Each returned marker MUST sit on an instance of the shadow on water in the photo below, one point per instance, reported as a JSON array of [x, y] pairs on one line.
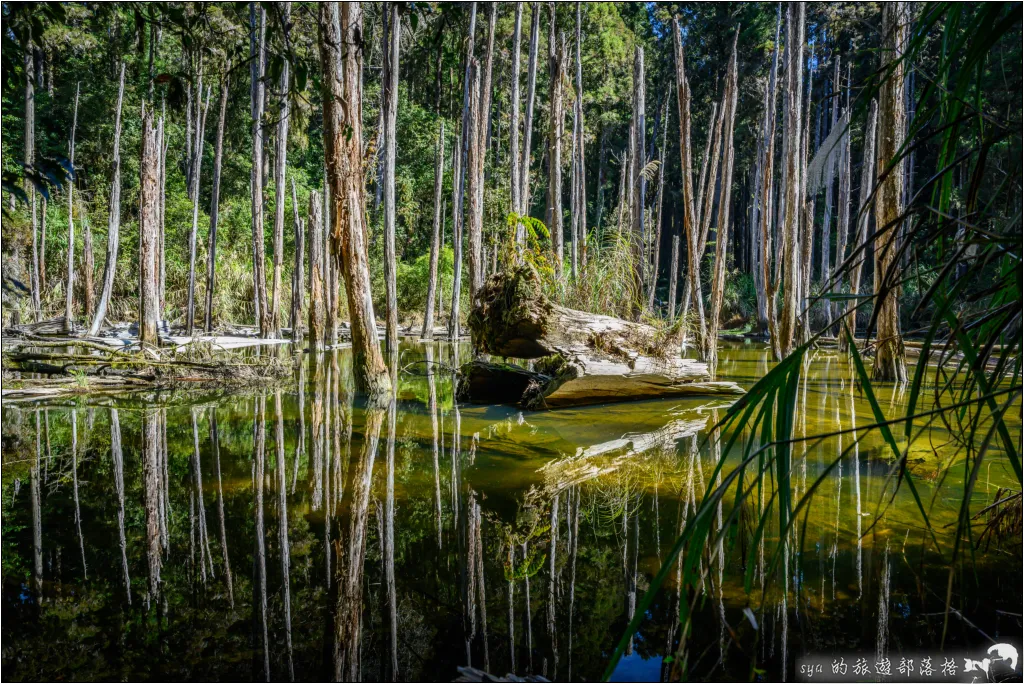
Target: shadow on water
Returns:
[[301, 533]]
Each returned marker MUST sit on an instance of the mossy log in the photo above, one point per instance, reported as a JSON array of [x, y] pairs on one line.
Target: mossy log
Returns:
[[583, 358]]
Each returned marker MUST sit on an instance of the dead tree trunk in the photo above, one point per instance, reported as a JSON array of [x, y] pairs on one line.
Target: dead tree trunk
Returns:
[[257, 38], [826, 228], [149, 225], [461, 162], [581, 180], [114, 220], [656, 256], [765, 222], [88, 269], [280, 165], [483, 117], [69, 294], [858, 252], [890, 355], [161, 138], [531, 96], [343, 145], [691, 220], [299, 272], [845, 189], [556, 129], [673, 279], [722, 238], [201, 111], [475, 214], [390, 113], [317, 275], [638, 186], [429, 315], [30, 155], [809, 199], [792, 131], [515, 164], [218, 158]]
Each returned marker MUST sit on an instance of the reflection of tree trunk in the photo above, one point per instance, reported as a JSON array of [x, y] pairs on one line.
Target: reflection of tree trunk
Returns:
[[205, 558], [631, 534], [480, 584], [319, 433], [282, 525], [37, 523], [352, 552], [152, 473], [432, 389], [529, 618], [74, 479], [552, 634], [259, 566], [574, 531], [215, 445], [300, 444], [115, 452], [389, 539]]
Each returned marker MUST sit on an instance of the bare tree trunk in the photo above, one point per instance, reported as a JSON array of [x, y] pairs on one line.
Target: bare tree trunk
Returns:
[[201, 111], [602, 160], [317, 275], [581, 192], [795, 18], [845, 190], [770, 283], [299, 272], [343, 144], [114, 220], [280, 166], [691, 221], [722, 237], [656, 256], [29, 159], [88, 269], [390, 113], [515, 162], [149, 301], [42, 250], [483, 118], [429, 315], [257, 38], [809, 200], [161, 275], [531, 92], [69, 294], [475, 218], [637, 187], [890, 355], [826, 228], [218, 158], [461, 162], [556, 129], [673, 278]]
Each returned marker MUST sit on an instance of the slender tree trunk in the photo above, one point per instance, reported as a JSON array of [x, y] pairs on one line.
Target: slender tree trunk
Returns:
[[691, 221], [218, 159], [162, 210], [602, 162], [845, 189], [581, 192], [461, 162], [637, 187], [280, 166], [390, 112], [317, 275], [193, 238], [724, 205], [69, 294], [483, 118], [556, 128], [531, 93], [673, 278], [656, 257], [257, 38], [770, 282], [149, 300], [30, 157], [475, 210], [890, 355], [42, 249], [343, 144], [826, 228], [515, 162], [809, 200], [795, 18], [88, 269], [429, 315], [114, 220], [299, 272]]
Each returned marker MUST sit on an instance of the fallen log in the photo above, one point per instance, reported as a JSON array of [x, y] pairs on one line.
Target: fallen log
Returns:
[[583, 358], [559, 381]]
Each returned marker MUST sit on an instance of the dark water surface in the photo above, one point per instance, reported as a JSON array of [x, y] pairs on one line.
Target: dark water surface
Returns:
[[299, 534]]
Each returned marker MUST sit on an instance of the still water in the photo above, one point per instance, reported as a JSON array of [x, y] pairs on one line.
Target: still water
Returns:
[[296, 533]]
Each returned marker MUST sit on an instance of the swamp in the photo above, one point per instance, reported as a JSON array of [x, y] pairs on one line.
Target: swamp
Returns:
[[511, 341]]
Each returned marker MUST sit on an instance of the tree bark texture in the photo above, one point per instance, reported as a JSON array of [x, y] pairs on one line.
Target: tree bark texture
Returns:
[[390, 112], [69, 294], [429, 315], [218, 158], [149, 225]]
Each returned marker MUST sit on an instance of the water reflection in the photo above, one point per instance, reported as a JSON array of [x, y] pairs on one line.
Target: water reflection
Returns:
[[380, 561]]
